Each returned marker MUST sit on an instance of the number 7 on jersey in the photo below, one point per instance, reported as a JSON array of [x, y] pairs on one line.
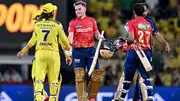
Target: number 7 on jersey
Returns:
[[46, 35]]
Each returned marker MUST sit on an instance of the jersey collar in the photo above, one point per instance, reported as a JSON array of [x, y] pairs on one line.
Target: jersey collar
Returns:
[[81, 19]]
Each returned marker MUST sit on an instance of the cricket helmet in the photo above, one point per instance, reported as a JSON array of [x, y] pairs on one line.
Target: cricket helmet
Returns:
[[106, 50], [106, 53]]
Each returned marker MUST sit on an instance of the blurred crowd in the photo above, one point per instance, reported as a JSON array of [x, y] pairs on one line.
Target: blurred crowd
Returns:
[[112, 16], [10, 74]]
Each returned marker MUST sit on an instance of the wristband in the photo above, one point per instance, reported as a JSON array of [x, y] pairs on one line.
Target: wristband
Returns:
[[24, 50]]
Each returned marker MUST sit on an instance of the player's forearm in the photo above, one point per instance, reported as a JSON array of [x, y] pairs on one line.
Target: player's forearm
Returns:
[[97, 35], [25, 49], [65, 42], [63, 48], [70, 37], [161, 39], [67, 46], [31, 43], [130, 39]]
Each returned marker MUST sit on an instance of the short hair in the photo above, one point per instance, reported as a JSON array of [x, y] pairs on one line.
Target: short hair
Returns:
[[79, 3], [139, 9]]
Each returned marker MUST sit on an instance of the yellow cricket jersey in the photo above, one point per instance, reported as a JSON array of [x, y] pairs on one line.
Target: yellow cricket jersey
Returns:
[[47, 35]]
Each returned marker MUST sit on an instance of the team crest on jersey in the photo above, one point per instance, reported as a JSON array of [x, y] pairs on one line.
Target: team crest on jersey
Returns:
[[90, 23], [78, 25]]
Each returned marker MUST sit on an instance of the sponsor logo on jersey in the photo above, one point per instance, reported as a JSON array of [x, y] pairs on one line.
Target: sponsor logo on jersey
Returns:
[[144, 26], [78, 25], [46, 25], [45, 44], [90, 24], [84, 30]]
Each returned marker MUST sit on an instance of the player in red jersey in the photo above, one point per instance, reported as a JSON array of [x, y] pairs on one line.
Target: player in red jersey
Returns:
[[81, 36], [140, 32]]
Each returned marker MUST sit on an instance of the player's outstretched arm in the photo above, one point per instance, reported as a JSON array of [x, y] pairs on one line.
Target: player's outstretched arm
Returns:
[[63, 38], [68, 59], [70, 37], [157, 34], [23, 51], [96, 31], [161, 39], [31, 43]]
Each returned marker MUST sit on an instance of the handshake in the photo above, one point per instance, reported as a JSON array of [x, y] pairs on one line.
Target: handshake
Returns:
[[68, 54]]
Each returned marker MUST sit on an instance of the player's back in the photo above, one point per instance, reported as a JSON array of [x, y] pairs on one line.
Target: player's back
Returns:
[[142, 32], [47, 32]]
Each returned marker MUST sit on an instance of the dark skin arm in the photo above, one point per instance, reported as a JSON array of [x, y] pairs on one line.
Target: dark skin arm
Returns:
[[161, 39], [130, 39]]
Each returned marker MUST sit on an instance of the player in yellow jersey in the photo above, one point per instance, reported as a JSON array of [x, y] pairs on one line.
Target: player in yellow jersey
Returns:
[[33, 71], [47, 33], [68, 59]]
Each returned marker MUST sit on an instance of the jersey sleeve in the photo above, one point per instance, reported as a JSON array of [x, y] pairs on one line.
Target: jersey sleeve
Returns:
[[63, 47], [130, 27], [95, 28], [63, 38], [33, 40], [71, 27], [153, 24]]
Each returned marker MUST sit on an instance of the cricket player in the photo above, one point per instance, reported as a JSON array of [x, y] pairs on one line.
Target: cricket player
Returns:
[[81, 36], [47, 34], [36, 17], [139, 31], [158, 37]]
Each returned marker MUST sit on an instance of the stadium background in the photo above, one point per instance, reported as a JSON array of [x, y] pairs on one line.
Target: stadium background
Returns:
[[111, 15]]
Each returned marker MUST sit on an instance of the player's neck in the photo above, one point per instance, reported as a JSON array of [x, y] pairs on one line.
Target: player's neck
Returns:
[[138, 16], [83, 16]]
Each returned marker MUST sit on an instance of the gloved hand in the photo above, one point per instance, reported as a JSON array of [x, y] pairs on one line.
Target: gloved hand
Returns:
[[120, 43], [125, 47]]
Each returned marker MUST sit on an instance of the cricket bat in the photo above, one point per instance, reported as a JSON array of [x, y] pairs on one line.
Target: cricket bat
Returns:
[[142, 57], [96, 55], [119, 86], [143, 88]]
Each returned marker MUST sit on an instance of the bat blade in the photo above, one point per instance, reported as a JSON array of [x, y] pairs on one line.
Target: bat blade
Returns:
[[119, 86], [96, 55], [143, 58]]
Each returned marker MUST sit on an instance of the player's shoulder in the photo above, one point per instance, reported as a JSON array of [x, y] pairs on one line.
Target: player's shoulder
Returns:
[[57, 22], [91, 18], [148, 17], [37, 21], [73, 21], [131, 21], [141, 20]]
